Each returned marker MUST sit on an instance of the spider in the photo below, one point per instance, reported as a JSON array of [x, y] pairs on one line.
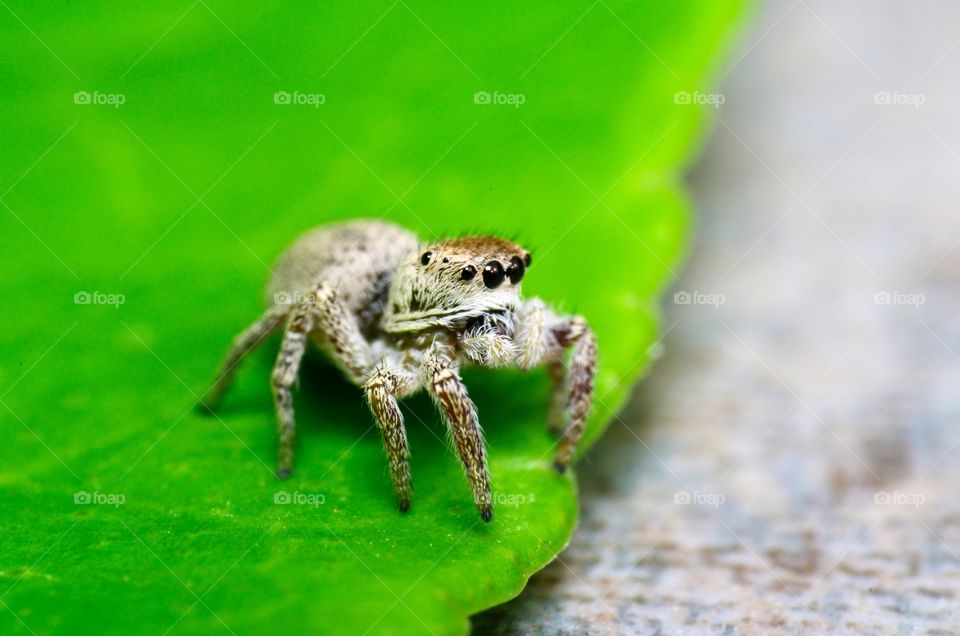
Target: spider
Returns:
[[397, 316]]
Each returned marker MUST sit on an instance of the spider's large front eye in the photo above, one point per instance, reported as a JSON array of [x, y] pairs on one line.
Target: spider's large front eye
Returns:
[[468, 272], [515, 270], [493, 274], [425, 258]]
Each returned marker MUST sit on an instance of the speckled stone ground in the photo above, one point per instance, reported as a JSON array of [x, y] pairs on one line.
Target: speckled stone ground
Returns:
[[790, 465]]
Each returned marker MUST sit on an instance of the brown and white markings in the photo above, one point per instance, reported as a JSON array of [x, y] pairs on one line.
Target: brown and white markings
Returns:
[[397, 316]]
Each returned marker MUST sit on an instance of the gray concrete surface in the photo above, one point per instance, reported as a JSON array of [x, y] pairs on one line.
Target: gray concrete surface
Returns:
[[811, 418]]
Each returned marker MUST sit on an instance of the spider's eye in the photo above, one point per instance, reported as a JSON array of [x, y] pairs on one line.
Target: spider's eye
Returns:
[[493, 274], [527, 259], [515, 270], [425, 258], [468, 272]]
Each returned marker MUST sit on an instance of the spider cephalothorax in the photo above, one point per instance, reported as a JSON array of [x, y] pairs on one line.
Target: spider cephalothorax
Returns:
[[446, 283], [397, 316]]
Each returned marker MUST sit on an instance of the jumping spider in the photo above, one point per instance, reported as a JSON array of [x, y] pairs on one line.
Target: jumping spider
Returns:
[[396, 317]]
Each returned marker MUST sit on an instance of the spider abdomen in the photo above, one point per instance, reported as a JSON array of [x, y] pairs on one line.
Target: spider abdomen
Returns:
[[356, 258]]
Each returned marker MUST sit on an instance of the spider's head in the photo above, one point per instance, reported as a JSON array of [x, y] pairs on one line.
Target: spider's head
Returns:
[[445, 284]]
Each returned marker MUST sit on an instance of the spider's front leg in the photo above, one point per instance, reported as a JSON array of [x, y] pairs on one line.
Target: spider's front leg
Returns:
[[447, 389], [543, 337], [385, 385], [576, 333]]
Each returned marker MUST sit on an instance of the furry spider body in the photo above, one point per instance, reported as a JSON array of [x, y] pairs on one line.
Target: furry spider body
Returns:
[[397, 316]]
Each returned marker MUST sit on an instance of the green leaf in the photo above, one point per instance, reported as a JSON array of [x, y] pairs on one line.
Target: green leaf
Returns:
[[179, 197]]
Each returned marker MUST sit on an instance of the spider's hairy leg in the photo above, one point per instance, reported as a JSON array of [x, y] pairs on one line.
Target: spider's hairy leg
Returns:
[[544, 338], [284, 376], [450, 395], [575, 332], [342, 337], [323, 314], [382, 389], [243, 344], [531, 335]]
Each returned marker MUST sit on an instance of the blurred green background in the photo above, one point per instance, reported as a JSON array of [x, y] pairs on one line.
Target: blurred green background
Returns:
[[162, 156]]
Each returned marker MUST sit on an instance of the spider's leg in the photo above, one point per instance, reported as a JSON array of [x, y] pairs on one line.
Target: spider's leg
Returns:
[[451, 397], [242, 345], [382, 384], [532, 334], [544, 338], [284, 376], [382, 390], [321, 314], [343, 339], [576, 332]]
